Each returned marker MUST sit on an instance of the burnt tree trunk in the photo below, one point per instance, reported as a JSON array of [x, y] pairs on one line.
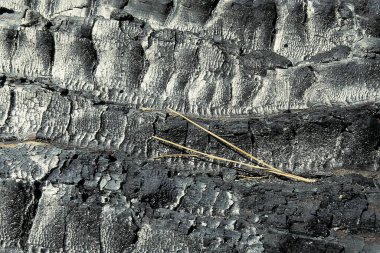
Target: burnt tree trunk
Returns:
[[85, 84]]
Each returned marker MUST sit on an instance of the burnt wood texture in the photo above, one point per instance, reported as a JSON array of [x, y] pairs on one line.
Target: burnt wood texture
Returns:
[[85, 84]]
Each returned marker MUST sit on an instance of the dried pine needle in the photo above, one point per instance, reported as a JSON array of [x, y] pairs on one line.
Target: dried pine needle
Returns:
[[190, 155], [8, 145], [251, 177], [205, 154], [174, 156], [29, 142], [241, 151], [277, 172]]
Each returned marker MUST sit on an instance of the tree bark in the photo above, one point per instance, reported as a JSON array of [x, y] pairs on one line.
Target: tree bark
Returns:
[[84, 85]]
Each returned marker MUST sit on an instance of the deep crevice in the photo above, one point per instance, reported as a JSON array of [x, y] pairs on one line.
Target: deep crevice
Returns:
[[214, 4], [12, 105], [4, 10], [274, 30]]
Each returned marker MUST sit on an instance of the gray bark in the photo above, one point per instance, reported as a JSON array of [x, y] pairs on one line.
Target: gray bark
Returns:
[[296, 83]]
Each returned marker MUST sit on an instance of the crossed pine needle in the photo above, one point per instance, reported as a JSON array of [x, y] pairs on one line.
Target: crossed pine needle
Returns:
[[198, 154]]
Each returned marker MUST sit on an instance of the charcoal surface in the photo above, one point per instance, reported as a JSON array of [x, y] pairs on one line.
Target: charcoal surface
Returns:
[[84, 85]]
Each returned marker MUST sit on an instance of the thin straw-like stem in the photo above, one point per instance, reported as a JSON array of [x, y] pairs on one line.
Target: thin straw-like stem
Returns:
[[280, 173], [251, 177], [174, 156], [197, 156], [15, 144], [241, 151], [204, 154]]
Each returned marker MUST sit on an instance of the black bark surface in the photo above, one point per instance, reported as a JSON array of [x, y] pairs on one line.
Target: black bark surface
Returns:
[[84, 85]]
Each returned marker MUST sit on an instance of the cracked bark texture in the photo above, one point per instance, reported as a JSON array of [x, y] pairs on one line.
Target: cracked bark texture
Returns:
[[295, 82]]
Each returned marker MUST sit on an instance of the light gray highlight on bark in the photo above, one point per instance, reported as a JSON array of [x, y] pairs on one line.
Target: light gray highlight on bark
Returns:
[[217, 58], [295, 83]]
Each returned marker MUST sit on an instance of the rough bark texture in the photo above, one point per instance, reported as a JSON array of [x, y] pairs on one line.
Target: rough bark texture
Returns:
[[295, 82]]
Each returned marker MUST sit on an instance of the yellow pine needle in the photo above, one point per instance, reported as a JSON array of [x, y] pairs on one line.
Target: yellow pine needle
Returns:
[[241, 151], [36, 143], [190, 155], [280, 173], [174, 156], [8, 145], [250, 177], [204, 154], [15, 144]]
